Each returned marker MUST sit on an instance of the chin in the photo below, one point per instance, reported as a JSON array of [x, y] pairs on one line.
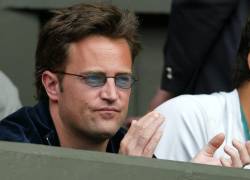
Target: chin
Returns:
[[102, 136], [108, 133]]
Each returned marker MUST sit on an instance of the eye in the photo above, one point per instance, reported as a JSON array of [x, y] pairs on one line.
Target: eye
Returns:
[[124, 80], [95, 79]]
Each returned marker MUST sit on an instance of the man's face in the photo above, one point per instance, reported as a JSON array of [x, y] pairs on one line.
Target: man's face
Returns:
[[95, 112]]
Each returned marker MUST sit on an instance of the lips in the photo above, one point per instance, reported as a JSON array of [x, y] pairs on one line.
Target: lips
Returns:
[[108, 109], [108, 113]]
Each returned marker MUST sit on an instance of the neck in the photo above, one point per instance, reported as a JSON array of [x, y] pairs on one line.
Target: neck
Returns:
[[244, 94], [69, 137]]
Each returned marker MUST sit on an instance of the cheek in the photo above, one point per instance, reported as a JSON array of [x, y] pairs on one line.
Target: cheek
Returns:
[[75, 99], [125, 98], [74, 106], [77, 92]]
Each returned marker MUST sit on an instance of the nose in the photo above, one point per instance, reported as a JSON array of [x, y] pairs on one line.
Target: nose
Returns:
[[109, 91]]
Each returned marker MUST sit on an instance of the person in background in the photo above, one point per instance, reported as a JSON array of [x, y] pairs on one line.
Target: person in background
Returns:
[[201, 47], [195, 119], [9, 97]]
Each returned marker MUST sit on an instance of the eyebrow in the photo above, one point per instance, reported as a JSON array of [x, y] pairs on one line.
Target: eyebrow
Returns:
[[92, 72], [101, 72]]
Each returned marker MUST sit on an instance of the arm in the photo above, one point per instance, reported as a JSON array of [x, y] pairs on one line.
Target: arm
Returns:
[[160, 97]]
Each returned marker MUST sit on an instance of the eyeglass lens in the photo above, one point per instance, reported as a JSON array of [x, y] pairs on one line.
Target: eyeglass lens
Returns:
[[123, 81]]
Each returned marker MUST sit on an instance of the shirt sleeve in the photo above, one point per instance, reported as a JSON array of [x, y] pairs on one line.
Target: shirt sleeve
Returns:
[[9, 97]]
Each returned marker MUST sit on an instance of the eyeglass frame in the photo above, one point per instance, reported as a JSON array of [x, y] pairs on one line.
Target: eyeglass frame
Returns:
[[84, 76]]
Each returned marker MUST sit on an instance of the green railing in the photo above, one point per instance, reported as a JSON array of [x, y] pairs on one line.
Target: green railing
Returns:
[[25, 161]]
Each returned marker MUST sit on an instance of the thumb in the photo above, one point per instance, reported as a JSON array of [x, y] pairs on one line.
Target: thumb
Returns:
[[248, 147], [214, 144]]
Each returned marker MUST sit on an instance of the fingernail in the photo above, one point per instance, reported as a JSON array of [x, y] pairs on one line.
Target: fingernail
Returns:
[[227, 148], [133, 121], [248, 143], [236, 140], [156, 114]]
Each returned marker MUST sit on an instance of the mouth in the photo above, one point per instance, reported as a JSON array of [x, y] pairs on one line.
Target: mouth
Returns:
[[108, 113], [108, 109]]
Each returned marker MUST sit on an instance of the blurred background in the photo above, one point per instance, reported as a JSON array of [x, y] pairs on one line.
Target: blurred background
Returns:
[[20, 22]]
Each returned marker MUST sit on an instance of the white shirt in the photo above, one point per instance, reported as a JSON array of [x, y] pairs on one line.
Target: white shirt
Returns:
[[9, 98], [192, 120]]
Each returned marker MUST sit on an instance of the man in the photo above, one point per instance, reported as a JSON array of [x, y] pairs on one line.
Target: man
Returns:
[[9, 97], [201, 47], [194, 119], [83, 78]]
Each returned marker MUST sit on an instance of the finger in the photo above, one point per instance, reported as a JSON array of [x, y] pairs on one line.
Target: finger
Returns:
[[128, 121], [226, 162], [153, 124], [139, 135], [150, 147], [145, 136], [127, 142], [242, 150], [132, 128], [214, 144], [248, 147], [234, 155], [209, 150], [149, 118], [142, 123]]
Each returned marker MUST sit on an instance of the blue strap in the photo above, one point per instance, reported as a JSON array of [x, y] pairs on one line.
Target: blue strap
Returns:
[[245, 125]]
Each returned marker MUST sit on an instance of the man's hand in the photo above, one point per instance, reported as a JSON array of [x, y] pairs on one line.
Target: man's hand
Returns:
[[142, 136], [206, 155], [129, 120]]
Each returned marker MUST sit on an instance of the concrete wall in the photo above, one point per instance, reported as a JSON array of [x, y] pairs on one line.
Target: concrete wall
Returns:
[[146, 6], [18, 37], [25, 162], [19, 24]]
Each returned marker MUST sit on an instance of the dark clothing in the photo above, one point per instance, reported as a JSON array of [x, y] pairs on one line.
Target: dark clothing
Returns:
[[34, 125], [201, 49]]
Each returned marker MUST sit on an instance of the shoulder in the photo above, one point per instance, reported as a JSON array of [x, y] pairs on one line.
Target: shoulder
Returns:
[[203, 104], [6, 84], [13, 127], [24, 125], [9, 98], [187, 113]]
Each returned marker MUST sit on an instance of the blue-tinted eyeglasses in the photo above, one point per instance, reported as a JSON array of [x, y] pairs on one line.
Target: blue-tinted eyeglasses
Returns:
[[123, 81]]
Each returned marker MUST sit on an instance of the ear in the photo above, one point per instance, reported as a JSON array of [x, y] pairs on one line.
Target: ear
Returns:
[[51, 85], [248, 60]]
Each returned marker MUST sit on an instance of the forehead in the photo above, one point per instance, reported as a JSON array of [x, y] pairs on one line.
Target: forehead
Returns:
[[99, 53]]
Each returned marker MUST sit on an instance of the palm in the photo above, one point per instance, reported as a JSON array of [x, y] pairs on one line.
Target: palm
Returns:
[[205, 158], [206, 155]]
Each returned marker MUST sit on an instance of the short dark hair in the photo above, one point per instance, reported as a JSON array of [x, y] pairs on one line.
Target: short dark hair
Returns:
[[242, 73], [75, 23]]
